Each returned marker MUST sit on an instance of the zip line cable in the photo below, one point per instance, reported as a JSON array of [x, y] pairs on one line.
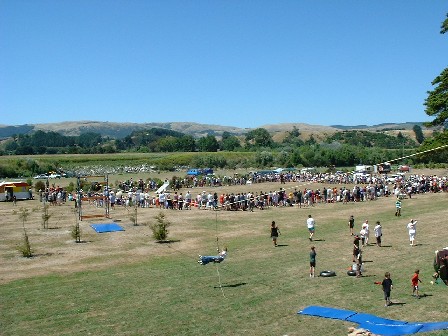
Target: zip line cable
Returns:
[[411, 155]]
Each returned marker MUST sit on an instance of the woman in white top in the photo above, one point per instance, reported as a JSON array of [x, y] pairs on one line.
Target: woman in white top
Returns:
[[412, 229], [365, 227]]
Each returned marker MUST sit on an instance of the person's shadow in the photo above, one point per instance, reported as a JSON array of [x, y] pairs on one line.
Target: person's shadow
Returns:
[[232, 285]]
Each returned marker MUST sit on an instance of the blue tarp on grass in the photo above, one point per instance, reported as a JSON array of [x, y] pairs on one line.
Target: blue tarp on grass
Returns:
[[375, 324], [107, 227]]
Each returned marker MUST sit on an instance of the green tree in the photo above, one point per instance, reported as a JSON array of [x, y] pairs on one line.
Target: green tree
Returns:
[[418, 133], [264, 159], [259, 137], [229, 142], [208, 144], [293, 137], [437, 101]]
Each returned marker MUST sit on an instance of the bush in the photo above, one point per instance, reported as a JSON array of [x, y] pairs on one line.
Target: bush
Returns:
[[39, 185], [160, 228], [76, 232], [25, 249]]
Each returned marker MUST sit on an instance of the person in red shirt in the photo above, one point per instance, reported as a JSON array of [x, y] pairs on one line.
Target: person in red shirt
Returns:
[[415, 280]]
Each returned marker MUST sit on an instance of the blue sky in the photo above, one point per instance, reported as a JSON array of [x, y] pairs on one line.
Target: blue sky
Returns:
[[241, 63]]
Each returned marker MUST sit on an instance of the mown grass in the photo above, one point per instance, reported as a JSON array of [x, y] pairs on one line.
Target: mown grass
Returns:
[[257, 291]]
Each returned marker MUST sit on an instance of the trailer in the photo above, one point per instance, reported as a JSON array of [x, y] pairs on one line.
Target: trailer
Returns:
[[21, 191], [366, 169]]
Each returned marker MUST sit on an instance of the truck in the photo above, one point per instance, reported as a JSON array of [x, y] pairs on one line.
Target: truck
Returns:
[[366, 169], [199, 171], [384, 168]]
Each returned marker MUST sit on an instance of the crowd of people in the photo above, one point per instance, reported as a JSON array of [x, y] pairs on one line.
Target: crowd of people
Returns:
[[365, 188]]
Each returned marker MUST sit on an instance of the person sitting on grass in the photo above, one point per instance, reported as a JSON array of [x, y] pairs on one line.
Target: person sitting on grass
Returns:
[[204, 260]]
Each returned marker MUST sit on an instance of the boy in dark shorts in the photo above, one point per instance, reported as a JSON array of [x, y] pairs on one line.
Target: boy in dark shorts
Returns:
[[387, 287], [312, 261]]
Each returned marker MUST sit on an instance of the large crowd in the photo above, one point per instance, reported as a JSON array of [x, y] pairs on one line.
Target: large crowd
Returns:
[[338, 187]]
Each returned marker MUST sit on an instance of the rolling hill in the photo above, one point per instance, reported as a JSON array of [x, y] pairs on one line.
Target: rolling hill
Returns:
[[197, 130]]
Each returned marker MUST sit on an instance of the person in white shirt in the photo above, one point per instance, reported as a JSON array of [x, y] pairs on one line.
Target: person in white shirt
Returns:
[[378, 233], [365, 227], [310, 223], [412, 229]]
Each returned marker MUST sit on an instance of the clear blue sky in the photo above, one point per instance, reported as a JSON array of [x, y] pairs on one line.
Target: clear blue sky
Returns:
[[237, 63]]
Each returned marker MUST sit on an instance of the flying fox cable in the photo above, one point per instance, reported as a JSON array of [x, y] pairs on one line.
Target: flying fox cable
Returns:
[[389, 161], [217, 247], [415, 154]]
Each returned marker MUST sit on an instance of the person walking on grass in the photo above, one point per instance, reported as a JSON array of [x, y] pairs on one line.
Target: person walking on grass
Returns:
[[365, 227], [351, 224], [378, 233], [275, 231], [415, 280], [412, 230], [312, 261], [310, 223], [387, 287], [398, 207]]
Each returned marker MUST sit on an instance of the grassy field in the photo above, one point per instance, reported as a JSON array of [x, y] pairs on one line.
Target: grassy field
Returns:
[[124, 283]]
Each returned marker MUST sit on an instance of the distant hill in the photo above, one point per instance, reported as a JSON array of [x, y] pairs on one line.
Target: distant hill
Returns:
[[120, 130], [379, 127]]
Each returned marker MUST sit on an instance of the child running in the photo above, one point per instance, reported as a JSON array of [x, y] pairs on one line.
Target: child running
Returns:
[[387, 287], [275, 231], [415, 280]]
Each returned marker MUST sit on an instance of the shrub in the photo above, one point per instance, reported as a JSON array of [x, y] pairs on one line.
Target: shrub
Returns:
[[39, 185], [133, 216], [76, 232], [160, 227], [25, 249], [45, 215]]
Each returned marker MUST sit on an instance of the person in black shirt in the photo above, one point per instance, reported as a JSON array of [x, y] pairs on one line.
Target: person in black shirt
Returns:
[[351, 224], [275, 231], [387, 287]]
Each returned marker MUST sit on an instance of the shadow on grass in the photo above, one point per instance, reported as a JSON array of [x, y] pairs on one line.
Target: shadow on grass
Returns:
[[282, 245], [232, 285], [318, 240], [397, 303], [48, 254], [170, 241], [386, 245], [425, 295]]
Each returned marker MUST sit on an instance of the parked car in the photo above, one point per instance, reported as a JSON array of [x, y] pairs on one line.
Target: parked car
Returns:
[[41, 177], [404, 168]]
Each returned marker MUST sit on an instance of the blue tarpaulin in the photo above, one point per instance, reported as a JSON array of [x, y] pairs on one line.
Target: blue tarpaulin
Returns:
[[107, 227], [373, 323]]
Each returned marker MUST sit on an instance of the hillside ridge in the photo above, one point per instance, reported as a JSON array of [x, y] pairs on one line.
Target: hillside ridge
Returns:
[[122, 129]]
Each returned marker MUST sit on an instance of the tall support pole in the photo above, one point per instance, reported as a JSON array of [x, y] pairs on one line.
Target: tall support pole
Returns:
[[78, 198], [107, 196]]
